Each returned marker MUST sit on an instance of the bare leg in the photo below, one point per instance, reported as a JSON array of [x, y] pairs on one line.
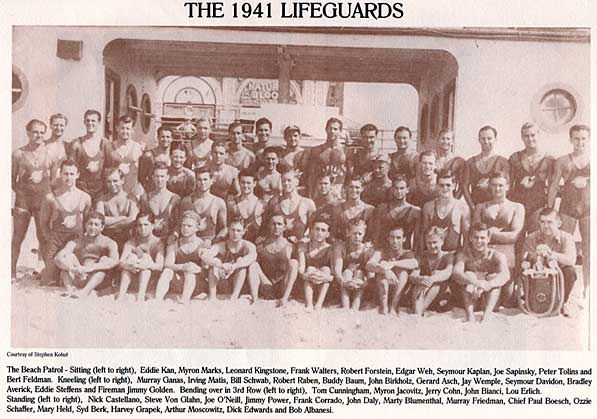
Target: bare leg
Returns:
[[95, 278], [356, 301], [254, 280], [289, 280], [213, 285], [125, 281], [41, 247], [469, 305], [190, 281], [402, 281], [20, 219], [68, 280], [323, 290], [238, 279], [344, 293], [383, 287], [428, 297], [491, 299], [164, 284], [418, 299], [584, 225], [144, 277], [308, 295]]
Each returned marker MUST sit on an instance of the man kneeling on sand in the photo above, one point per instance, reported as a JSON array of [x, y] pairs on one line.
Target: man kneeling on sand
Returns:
[[479, 273], [553, 244], [85, 261]]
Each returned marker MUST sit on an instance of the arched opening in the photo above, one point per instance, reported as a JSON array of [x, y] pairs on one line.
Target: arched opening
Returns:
[[294, 83]]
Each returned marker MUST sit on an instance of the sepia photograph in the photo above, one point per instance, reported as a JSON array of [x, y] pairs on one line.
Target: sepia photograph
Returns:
[[300, 187]]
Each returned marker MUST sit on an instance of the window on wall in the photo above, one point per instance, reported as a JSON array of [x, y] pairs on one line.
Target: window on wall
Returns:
[[554, 108], [146, 114], [20, 88], [132, 103], [558, 106]]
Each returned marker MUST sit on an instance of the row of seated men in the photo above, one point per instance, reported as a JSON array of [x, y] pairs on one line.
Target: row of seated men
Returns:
[[413, 191]]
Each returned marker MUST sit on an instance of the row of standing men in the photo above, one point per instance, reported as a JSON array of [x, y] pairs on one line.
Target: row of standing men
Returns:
[[224, 181]]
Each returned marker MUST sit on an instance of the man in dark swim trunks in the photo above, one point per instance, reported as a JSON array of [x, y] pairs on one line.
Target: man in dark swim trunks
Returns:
[[574, 170]]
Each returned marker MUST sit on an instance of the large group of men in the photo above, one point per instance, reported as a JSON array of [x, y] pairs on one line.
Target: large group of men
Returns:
[[426, 230]]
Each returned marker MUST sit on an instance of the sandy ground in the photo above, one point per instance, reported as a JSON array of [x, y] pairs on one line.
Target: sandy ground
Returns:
[[41, 317]]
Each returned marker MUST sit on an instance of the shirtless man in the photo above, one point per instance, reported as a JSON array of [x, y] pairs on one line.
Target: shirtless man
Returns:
[[475, 183], [208, 206], [530, 169], [247, 206], [429, 281], [85, 261], [553, 244], [61, 218], [360, 162], [30, 183], [505, 220], [295, 155], [423, 185], [448, 213], [149, 157], [199, 150], [397, 211], [296, 208], [352, 208], [403, 161], [446, 160], [231, 261], [329, 157], [142, 257], [263, 131], [92, 153], [392, 263], [181, 180], [160, 202], [238, 156], [574, 170], [56, 146], [480, 272], [126, 155], [269, 179], [324, 198], [118, 206], [225, 177], [375, 191]]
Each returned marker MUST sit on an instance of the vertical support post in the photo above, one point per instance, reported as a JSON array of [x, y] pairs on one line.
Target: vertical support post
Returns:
[[285, 64]]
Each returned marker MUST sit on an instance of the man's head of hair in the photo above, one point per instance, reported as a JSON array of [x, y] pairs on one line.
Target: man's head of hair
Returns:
[[478, 227], [33, 122], [164, 128], [89, 112], [94, 215], [58, 116], [125, 119], [69, 163], [368, 127], [488, 128], [233, 126], [262, 121], [405, 129], [333, 121], [579, 127]]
